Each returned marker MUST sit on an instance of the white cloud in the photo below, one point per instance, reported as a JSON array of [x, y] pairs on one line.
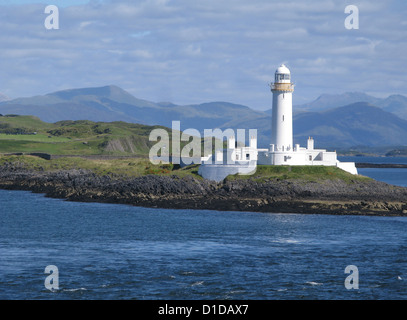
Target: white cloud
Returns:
[[84, 24], [196, 51]]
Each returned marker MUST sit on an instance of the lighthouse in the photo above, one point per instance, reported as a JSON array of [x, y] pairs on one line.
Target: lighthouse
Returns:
[[282, 111], [282, 151]]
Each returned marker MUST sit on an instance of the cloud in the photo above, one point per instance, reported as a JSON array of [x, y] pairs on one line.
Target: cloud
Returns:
[[193, 51]]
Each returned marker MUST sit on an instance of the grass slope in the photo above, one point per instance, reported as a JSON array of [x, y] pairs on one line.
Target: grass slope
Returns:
[[80, 137], [307, 173], [136, 167]]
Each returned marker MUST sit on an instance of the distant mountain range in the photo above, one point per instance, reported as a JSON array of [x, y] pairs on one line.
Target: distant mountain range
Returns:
[[335, 121], [396, 104]]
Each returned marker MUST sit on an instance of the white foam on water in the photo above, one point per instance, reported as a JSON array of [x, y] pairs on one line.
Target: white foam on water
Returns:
[[74, 290]]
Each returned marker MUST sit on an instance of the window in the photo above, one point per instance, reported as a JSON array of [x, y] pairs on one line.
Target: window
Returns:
[[282, 76], [283, 118], [310, 158], [247, 156]]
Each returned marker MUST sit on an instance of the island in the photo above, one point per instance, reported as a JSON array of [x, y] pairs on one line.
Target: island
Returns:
[[135, 181], [108, 162]]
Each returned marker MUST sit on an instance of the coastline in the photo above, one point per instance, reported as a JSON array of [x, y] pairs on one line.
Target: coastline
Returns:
[[379, 165], [337, 197]]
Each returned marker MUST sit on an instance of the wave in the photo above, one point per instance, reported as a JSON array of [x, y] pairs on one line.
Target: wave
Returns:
[[74, 290]]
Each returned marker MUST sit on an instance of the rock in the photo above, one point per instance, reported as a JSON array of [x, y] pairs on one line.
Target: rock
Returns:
[[276, 195]]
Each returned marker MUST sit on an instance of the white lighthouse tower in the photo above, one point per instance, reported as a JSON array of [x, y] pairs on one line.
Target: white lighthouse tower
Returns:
[[282, 111]]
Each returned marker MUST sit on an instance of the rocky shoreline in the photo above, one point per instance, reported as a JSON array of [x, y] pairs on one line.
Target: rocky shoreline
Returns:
[[275, 196]]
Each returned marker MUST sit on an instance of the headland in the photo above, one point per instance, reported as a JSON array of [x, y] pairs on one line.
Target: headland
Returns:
[[273, 189]]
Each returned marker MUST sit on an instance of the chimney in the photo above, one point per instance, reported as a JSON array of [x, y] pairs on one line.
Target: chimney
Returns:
[[310, 143]]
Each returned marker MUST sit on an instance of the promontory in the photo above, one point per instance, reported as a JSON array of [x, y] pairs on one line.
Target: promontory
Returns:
[[134, 181]]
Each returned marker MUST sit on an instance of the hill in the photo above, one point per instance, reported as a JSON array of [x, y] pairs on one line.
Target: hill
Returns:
[[111, 103], [29, 134], [370, 123], [330, 101], [355, 124], [396, 104]]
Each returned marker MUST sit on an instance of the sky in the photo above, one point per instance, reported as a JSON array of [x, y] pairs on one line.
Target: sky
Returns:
[[189, 52]]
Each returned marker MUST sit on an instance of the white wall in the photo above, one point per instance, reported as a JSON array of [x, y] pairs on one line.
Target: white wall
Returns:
[[218, 172], [282, 121], [347, 166]]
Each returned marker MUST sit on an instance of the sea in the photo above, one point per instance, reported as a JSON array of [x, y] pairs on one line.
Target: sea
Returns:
[[396, 176], [52, 249]]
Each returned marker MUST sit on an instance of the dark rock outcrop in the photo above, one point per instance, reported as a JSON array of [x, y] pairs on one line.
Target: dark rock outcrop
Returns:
[[367, 197]]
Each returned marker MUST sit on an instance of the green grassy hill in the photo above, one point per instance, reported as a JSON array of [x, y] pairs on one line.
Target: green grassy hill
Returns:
[[29, 134]]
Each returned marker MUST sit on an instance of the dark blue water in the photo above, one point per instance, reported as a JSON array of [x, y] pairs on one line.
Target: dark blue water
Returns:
[[394, 160], [395, 176], [121, 252]]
